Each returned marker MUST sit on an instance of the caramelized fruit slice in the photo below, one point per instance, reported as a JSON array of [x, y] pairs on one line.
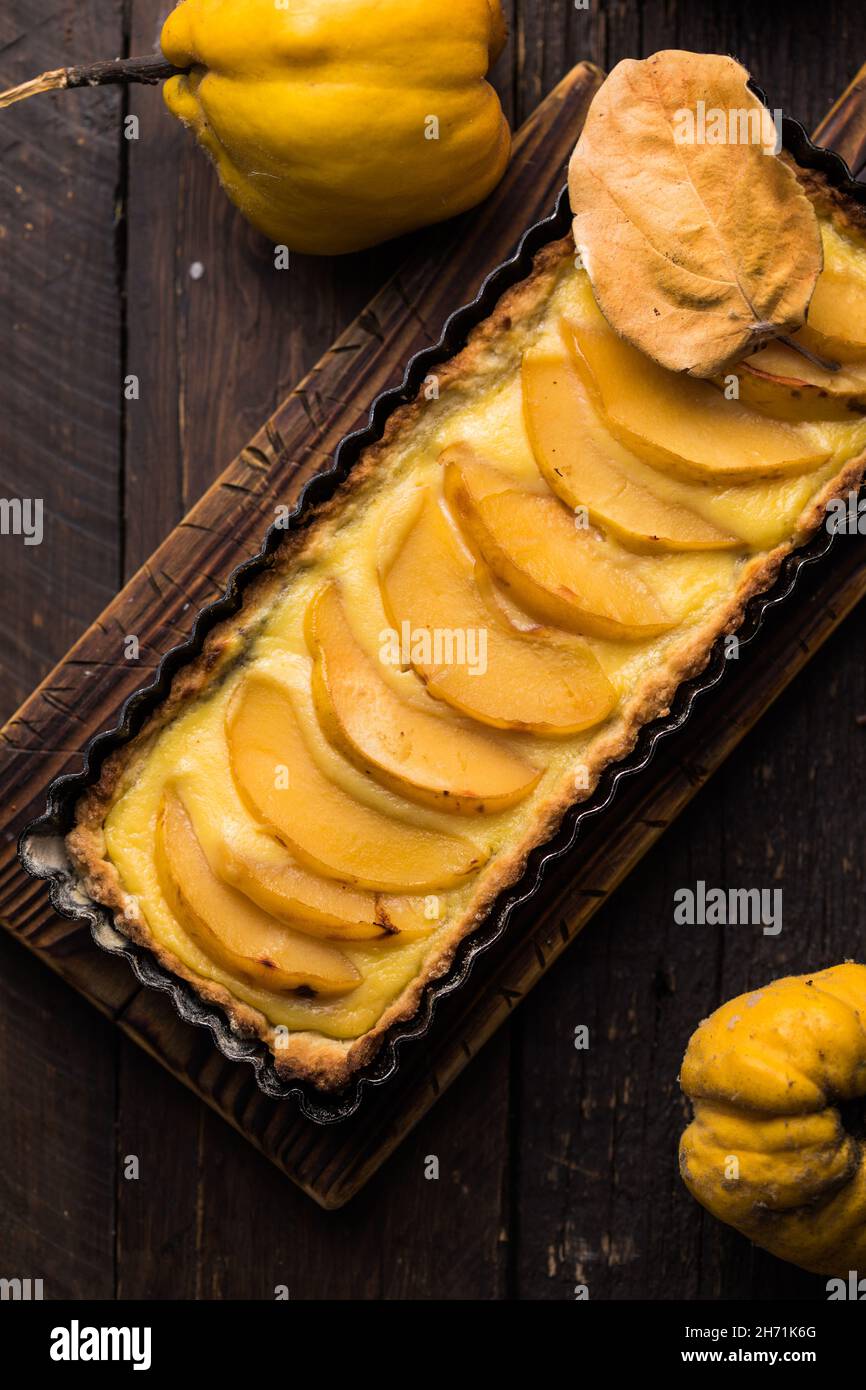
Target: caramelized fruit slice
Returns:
[[837, 311], [555, 569], [533, 681], [326, 908], [411, 918], [259, 866], [679, 423], [785, 384], [230, 929], [586, 467], [317, 906], [320, 822], [418, 755]]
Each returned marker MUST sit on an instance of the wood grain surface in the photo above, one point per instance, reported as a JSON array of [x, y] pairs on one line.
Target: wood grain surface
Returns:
[[555, 1165], [81, 696]]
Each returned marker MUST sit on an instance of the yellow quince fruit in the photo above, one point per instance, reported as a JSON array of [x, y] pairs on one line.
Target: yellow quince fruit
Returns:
[[336, 124], [777, 1079]]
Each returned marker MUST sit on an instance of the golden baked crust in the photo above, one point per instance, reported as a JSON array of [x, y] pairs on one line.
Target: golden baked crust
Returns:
[[329, 1062]]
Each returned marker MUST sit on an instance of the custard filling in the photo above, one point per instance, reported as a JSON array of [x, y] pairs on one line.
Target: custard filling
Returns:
[[306, 833]]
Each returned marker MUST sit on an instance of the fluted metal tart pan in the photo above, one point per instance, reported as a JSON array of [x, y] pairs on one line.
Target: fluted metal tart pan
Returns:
[[41, 847]]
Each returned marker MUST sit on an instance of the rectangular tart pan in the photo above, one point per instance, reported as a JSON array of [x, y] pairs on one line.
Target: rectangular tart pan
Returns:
[[42, 850]]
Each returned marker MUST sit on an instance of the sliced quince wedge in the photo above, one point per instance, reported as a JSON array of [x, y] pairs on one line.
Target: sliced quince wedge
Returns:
[[783, 383], [555, 569], [232, 931], [586, 467], [410, 918], [534, 681], [255, 862], [323, 824], [679, 423], [427, 758], [837, 312], [324, 907], [309, 902]]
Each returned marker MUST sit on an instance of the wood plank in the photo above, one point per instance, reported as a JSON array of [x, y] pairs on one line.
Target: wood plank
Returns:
[[59, 171], [802, 59], [57, 1071], [545, 36], [158, 1239], [57, 284], [843, 129]]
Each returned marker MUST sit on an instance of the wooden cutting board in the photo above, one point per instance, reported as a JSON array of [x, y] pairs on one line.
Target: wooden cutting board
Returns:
[[84, 692]]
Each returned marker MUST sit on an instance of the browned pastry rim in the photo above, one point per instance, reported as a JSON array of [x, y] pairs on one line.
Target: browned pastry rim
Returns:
[[330, 1063]]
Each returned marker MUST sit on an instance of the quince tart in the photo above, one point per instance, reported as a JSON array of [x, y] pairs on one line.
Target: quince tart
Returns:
[[504, 590]]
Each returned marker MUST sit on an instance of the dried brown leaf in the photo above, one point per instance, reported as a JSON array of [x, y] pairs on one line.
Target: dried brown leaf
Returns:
[[698, 250]]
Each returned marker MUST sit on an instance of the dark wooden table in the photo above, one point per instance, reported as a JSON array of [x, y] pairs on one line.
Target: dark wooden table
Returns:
[[556, 1166]]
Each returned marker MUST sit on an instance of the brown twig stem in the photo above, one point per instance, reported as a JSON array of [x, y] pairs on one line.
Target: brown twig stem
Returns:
[[153, 68], [826, 364]]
